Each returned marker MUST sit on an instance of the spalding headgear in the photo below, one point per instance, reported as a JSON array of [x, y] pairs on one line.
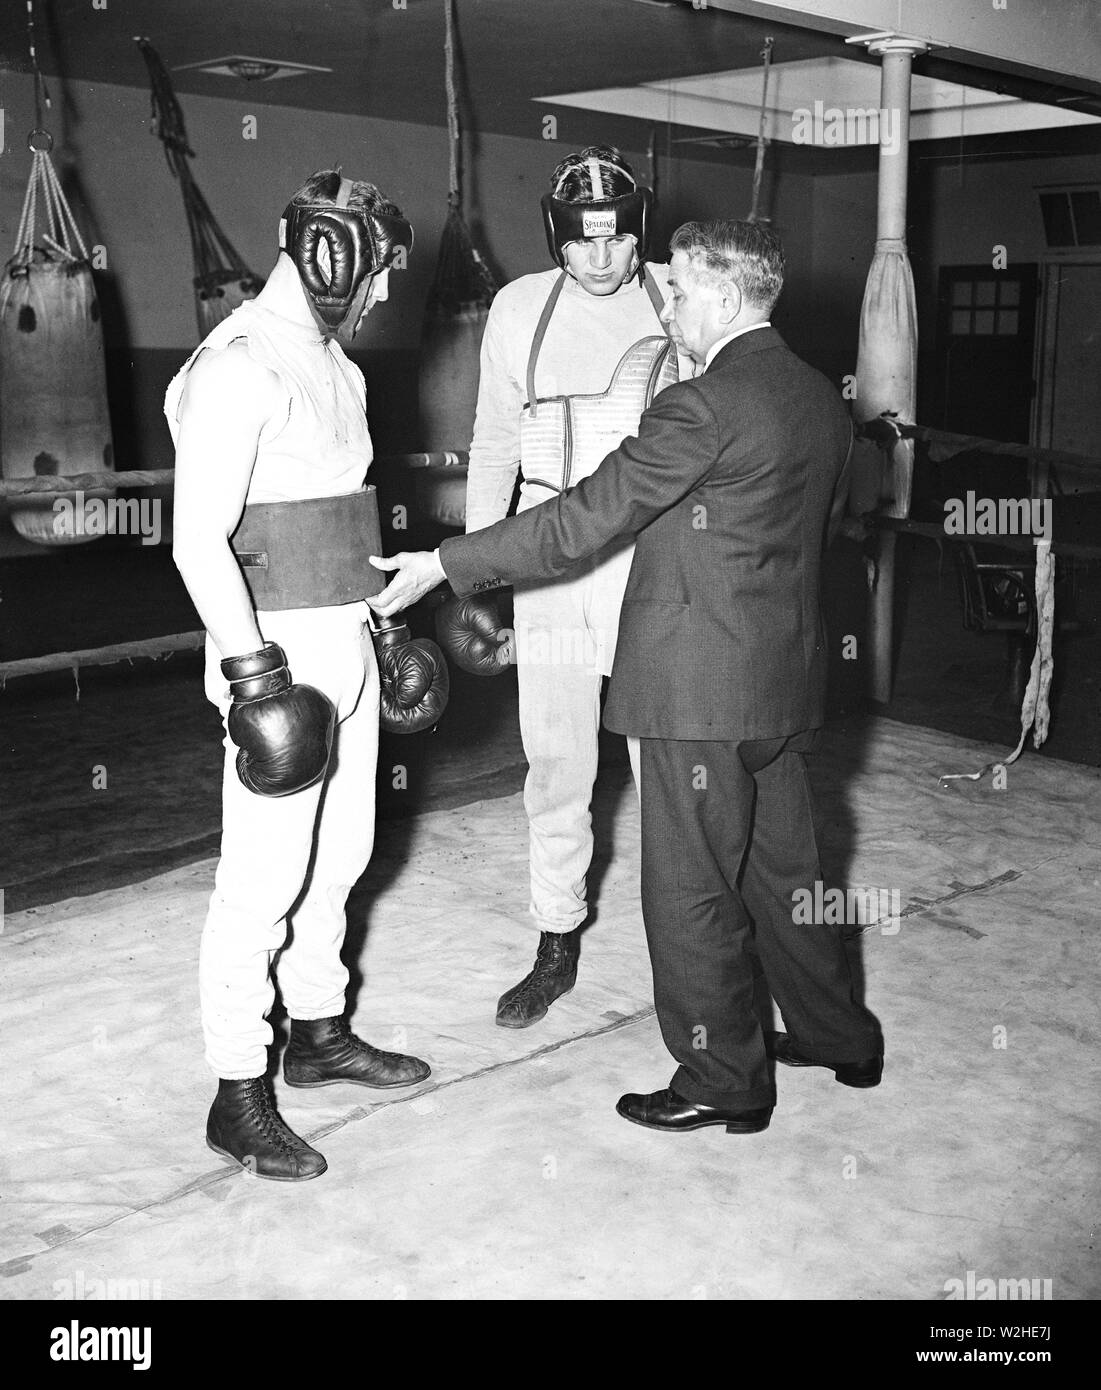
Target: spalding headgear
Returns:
[[360, 243], [627, 215]]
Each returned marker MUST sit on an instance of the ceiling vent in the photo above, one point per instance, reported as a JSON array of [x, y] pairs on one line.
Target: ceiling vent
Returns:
[[1072, 217], [249, 69]]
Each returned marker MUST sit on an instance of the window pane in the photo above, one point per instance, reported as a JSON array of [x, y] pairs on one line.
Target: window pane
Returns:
[[984, 320], [961, 322], [961, 292], [1087, 217], [1010, 292], [985, 292], [1007, 322], [1058, 227]]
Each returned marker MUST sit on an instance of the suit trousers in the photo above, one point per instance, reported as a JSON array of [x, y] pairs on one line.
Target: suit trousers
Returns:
[[291, 861], [727, 838]]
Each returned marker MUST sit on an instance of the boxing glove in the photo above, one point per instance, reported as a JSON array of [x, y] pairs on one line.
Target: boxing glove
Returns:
[[471, 634], [283, 731], [413, 678]]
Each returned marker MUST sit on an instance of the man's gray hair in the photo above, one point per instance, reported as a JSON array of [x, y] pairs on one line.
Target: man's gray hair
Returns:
[[749, 255]]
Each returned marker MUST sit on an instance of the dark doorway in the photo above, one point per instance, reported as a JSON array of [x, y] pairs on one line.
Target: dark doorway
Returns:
[[986, 332]]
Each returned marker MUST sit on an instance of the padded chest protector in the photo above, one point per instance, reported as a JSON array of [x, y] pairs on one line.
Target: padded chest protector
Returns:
[[565, 438]]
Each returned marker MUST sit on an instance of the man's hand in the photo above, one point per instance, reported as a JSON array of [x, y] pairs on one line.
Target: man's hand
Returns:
[[419, 571]]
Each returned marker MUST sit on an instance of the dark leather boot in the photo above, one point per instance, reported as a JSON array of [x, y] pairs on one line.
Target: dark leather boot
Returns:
[[325, 1052], [552, 975], [245, 1126]]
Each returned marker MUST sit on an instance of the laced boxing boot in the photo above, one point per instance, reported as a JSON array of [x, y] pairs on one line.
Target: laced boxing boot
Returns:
[[553, 974], [245, 1126], [325, 1052]]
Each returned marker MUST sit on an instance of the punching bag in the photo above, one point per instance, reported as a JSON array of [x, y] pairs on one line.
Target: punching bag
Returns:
[[218, 293], [53, 383], [222, 281], [454, 321]]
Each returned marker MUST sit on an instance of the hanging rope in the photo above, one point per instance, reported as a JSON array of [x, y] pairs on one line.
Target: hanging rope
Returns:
[[454, 197], [62, 230], [41, 92], [759, 167], [217, 261], [462, 279], [1035, 707]]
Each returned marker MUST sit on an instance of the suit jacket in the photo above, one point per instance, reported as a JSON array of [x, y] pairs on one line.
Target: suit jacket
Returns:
[[730, 486]]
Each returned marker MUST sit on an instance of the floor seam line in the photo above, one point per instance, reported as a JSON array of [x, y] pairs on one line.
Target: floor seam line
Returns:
[[354, 1116]]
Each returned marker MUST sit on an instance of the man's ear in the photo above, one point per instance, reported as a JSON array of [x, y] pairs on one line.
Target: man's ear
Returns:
[[730, 301]]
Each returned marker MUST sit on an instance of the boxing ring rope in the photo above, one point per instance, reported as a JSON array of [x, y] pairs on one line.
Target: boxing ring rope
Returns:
[[45, 487], [882, 430]]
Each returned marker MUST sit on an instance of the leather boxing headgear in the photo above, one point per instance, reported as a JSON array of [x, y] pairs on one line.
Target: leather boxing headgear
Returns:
[[629, 214], [360, 243]]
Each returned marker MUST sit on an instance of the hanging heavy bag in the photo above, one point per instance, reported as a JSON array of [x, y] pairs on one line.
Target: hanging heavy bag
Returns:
[[218, 293], [222, 281], [455, 319], [53, 382]]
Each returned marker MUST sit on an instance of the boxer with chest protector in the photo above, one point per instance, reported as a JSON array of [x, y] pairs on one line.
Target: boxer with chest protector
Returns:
[[570, 359], [272, 527]]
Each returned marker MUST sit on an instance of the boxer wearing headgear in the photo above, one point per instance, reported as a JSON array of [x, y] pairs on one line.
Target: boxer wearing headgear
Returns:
[[570, 359], [272, 527]]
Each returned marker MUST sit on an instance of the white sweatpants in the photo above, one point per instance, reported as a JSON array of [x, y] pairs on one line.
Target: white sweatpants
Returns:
[[566, 632], [290, 861]]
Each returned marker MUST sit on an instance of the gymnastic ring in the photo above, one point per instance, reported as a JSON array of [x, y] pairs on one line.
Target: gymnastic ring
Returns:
[[45, 145]]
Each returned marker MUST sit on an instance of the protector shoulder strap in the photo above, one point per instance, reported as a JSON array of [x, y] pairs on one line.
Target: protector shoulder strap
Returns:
[[540, 334], [655, 297]]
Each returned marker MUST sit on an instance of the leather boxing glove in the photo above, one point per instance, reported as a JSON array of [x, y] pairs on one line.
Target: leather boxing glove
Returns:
[[413, 676], [283, 732], [471, 634]]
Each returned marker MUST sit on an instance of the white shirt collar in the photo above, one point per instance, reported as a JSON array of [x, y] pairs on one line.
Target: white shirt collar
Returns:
[[717, 347]]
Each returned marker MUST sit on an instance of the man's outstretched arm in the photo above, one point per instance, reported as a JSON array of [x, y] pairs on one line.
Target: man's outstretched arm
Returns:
[[676, 445]]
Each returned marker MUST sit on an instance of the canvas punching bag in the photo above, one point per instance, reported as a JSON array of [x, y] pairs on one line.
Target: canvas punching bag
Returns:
[[219, 293], [222, 281], [53, 382], [450, 345]]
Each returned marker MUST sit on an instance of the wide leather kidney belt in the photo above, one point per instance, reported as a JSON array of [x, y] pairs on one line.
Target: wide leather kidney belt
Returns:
[[311, 553]]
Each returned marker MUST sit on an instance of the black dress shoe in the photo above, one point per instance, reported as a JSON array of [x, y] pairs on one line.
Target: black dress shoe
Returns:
[[553, 974], [666, 1110], [325, 1052], [244, 1125], [861, 1074]]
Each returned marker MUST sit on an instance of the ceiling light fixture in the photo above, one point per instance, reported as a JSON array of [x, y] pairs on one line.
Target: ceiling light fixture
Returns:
[[248, 68]]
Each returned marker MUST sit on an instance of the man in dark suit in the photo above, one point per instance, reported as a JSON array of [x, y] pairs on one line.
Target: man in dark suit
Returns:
[[731, 486]]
